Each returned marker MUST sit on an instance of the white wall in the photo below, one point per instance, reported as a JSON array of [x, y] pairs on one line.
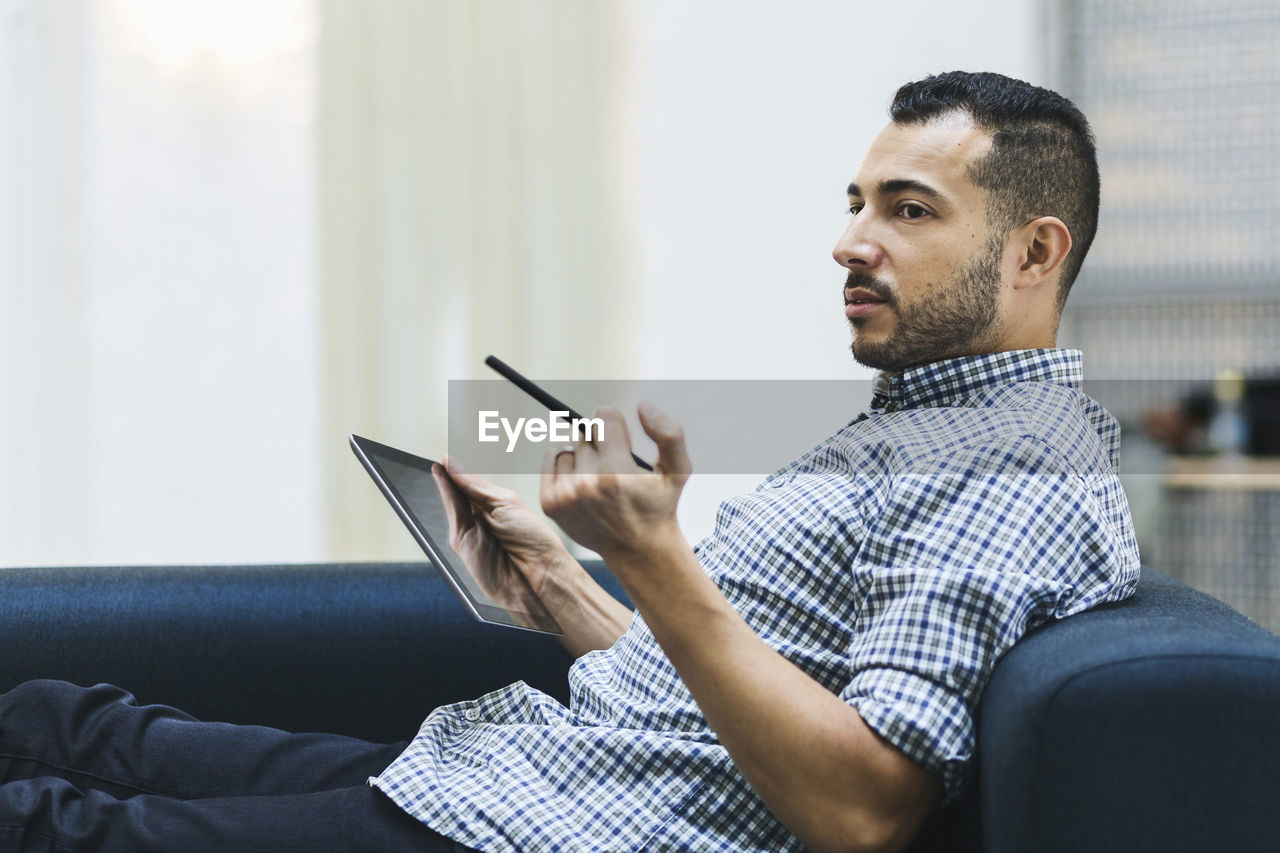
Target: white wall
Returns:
[[754, 118], [162, 375], [43, 424], [199, 282]]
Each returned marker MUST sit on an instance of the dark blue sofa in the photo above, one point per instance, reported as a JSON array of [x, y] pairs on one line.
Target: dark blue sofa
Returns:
[[1152, 725]]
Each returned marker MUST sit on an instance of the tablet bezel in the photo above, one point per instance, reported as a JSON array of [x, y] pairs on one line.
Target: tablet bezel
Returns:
[[367, 451]]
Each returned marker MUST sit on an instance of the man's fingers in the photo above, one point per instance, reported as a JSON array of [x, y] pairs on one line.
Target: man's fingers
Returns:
[[549, 462], [477, 490], [456, 506], [564, 459], [666, 432], [557, 463], [547, 481], [586, 458], [614, 446]]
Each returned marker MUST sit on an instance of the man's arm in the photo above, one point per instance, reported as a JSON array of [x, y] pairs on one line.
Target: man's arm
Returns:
[[821, 770], [499, 537], [590, 617]]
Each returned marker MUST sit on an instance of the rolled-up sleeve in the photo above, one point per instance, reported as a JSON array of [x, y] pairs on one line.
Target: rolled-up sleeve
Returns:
[[969, 551]]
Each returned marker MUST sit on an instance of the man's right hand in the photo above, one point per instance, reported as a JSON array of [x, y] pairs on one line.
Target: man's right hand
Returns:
[[506, 546], [511, 550]]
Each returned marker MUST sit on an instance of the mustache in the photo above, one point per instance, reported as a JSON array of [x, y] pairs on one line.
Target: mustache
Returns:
[[866, 281]]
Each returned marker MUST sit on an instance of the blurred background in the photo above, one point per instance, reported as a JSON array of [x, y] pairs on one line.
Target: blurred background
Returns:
[[233, 232]]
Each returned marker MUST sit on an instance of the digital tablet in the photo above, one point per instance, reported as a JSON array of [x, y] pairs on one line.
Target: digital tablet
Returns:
[[406, 482]]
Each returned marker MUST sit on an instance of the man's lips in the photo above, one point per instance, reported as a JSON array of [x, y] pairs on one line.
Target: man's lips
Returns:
[[860, 309], [860, 302]]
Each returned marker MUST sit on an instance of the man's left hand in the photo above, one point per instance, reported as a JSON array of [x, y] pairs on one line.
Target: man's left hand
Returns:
[[603, 500]]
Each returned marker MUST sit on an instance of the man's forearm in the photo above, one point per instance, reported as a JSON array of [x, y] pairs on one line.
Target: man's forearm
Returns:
[[590, 617], [822, 771]]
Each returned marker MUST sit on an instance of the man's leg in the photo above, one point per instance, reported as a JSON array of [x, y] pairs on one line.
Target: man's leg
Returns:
[[98, 738], [51, 814], [88, 769]]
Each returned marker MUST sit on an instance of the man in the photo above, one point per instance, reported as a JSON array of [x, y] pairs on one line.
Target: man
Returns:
[[806, 675]]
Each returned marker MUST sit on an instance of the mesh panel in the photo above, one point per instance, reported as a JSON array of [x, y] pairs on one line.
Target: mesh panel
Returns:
[[1182, 96], [1183, 279]]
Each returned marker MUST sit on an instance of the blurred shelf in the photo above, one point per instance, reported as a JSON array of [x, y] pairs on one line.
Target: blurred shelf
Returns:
[[1223, 473]]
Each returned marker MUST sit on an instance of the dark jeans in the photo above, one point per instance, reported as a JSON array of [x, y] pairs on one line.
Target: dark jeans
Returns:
[[90, 770]]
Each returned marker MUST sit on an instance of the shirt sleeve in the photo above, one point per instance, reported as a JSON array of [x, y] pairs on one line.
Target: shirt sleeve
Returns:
[[969, 551]]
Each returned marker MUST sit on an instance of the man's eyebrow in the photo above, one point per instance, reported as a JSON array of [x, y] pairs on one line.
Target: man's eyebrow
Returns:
[[892, 186]]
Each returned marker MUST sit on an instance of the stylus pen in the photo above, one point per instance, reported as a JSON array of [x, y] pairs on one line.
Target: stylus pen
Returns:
[[552, 404]]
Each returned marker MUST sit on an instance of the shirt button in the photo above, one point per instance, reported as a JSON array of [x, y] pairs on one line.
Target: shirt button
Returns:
[[471, 714]]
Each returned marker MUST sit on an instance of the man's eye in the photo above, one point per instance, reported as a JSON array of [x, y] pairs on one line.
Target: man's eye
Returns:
[[912, 211], [855, 208]]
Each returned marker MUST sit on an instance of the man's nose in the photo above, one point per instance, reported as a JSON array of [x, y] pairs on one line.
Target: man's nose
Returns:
[[857, 247]]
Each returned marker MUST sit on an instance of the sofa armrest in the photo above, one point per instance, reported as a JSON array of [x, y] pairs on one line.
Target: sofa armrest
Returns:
[[361, 649], [1153, 724]]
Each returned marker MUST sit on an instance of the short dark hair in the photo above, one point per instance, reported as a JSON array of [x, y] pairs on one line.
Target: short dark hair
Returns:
[[1042, 160]]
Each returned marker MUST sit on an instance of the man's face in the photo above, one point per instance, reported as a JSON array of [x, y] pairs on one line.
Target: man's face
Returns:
[[924, 279]]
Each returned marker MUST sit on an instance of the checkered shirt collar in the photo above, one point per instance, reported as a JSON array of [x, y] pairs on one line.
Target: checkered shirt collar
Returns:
[[944, 383]]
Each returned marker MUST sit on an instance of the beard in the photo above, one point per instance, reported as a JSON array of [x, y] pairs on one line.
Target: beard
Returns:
[[954, 319]]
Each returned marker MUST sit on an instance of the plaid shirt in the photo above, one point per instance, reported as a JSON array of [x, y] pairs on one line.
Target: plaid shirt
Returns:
[[893, 563]]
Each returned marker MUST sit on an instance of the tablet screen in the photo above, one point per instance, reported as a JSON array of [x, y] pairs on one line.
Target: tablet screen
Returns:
[[406, 482]]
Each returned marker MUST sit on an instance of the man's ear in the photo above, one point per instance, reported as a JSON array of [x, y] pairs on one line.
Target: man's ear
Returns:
[[1042, 245]]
